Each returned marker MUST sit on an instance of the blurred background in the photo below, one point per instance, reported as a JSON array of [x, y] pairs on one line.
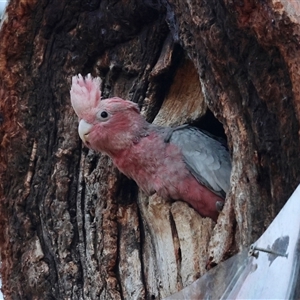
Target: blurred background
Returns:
[[2, 7]]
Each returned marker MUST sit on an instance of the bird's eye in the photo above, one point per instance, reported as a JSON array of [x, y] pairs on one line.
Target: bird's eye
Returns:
[[103, 115]]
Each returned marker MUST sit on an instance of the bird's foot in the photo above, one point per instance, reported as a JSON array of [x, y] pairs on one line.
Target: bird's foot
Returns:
[[219, 205]]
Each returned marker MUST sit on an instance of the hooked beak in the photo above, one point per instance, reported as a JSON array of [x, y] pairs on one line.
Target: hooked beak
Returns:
[[84, 129]]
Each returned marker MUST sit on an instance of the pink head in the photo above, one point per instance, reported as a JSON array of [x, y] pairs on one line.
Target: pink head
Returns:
[[105, 125]]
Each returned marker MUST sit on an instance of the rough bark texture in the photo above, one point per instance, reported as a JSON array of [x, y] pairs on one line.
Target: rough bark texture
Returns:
[[72, 226]]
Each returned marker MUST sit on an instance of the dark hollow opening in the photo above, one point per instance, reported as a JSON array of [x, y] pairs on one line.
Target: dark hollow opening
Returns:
[[211, 124]]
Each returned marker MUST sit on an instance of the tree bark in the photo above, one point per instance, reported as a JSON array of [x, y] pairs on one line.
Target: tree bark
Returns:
[[72, 226]]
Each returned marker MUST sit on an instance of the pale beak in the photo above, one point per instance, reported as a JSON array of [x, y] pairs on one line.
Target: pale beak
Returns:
[[84, 129]]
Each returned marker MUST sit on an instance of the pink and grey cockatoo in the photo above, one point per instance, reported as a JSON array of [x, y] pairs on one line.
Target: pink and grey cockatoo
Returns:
[[181, 163]]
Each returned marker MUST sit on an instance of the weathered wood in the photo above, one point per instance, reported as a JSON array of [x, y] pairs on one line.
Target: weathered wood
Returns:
[[72, 226], [248, 85]]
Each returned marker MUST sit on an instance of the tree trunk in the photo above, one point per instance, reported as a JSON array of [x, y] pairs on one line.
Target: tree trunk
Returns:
[[72, 226]]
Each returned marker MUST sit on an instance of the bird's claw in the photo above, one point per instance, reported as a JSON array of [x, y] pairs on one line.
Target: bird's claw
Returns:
[[219, 205]]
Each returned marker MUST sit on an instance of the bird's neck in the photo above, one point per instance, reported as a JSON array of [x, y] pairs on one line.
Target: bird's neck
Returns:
[[138, 135], [130, 159], [126, 135]]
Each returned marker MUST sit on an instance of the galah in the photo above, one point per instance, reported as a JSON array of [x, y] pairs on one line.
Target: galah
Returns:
[[181, 163]]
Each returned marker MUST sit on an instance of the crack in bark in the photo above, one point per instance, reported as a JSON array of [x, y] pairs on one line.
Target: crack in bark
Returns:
[[177, 249]]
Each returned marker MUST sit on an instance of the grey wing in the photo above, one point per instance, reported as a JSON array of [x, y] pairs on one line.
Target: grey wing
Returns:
[[205, 157]]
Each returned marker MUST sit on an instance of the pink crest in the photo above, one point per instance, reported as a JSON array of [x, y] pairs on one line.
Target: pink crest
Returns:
[[85, 94]]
